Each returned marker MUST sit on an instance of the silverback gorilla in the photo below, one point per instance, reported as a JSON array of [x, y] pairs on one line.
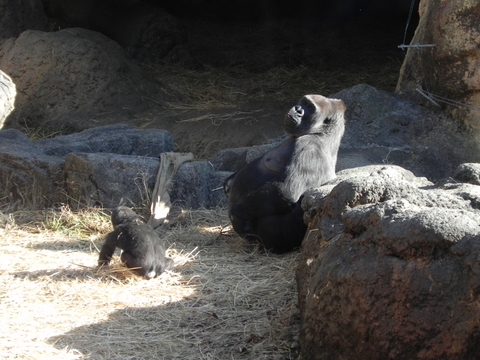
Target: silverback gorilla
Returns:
[[265, 196], [142, 249]]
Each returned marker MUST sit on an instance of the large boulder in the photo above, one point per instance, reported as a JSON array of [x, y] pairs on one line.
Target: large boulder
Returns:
[[388, 128], [105, 166], [197, 185], [8, 92], [389, 268], [32, 172], [109, 180], [451, 68], [28, 176], [116, 139], [73, 79]]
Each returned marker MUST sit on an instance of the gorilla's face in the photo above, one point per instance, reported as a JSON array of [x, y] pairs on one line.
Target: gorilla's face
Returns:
[[315, 114]]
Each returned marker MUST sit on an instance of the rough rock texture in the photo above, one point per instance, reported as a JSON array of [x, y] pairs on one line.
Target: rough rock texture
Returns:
[[118, 139], [389, 268], [28, 177], [198, 185], [8, 92], [31, 172], [109, 180], [468, 173], [451, 68], [73, 79], [19, 15], [105, 166]]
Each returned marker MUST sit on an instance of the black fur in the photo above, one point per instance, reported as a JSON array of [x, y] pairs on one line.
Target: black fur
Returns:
[[142, 249], [265, 196]]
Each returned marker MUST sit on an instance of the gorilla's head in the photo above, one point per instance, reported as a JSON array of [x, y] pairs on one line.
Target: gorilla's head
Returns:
[[316, 114]]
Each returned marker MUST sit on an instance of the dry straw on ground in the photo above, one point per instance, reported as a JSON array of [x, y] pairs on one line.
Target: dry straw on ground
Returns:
[[223, 300], [279, 61]]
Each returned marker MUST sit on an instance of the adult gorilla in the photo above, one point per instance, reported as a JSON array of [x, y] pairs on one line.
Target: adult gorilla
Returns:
[[265, 196]]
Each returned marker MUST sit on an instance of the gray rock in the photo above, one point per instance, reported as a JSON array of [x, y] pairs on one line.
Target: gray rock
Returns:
[[105, 166], [109, 180], [28, 177], [372, 177], [387, 128], [32, 173], [116, 139], [388, 269], [468, 173], [376, 117], [197, 185], [469, 192]]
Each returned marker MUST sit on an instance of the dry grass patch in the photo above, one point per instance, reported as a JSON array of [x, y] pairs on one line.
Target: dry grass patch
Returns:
[[223, 300]]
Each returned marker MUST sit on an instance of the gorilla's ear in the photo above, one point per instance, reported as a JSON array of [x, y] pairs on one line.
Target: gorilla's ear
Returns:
[[339, 105]]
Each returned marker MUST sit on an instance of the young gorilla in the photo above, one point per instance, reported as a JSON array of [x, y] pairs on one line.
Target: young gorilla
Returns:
[[141, 246], [265, 196]]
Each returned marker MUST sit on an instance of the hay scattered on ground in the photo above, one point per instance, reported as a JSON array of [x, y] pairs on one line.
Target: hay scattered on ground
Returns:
[[280, 60], [223, 300]]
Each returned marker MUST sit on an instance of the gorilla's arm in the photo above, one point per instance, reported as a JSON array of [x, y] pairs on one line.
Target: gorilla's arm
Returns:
[[108, 248], [313, 166], [256, 189], [276, 159]]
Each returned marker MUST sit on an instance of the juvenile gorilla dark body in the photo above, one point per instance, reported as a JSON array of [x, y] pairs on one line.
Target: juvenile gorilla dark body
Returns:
[[141, 246], [265, 196]]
